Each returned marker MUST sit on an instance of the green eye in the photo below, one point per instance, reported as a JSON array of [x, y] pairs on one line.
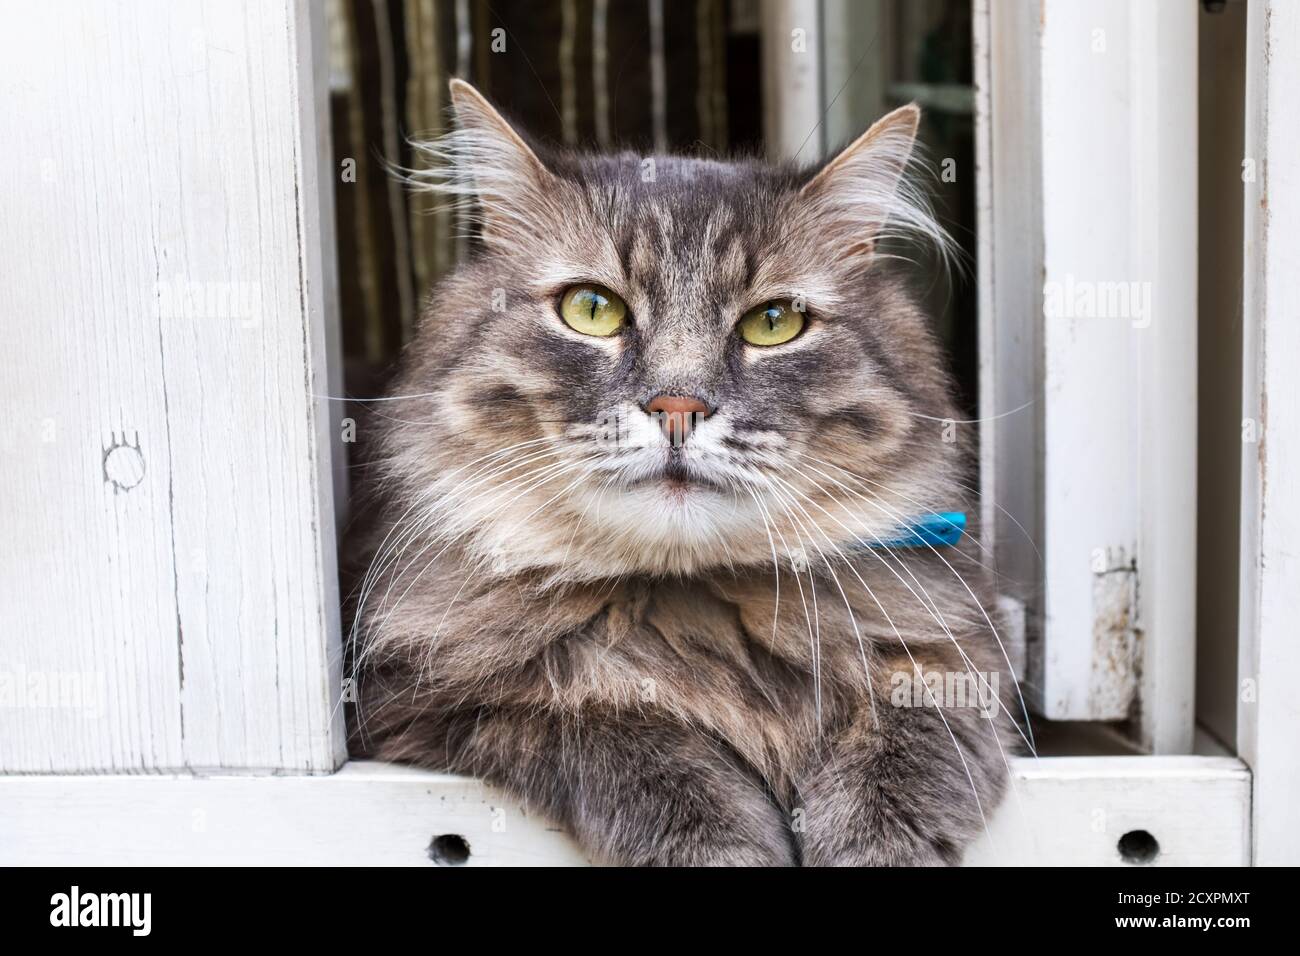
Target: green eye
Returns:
[[592, 310], [772, 324]]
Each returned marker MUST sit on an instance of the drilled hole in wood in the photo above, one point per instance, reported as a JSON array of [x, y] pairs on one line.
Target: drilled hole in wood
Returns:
[[450, 849], [123, 466], [1138, 847]]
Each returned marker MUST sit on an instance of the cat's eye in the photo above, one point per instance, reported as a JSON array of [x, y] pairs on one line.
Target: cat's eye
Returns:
[[774, 323], [593, 310]]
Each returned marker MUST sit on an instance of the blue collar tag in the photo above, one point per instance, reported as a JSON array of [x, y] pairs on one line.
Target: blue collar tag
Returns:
[[934, 531]]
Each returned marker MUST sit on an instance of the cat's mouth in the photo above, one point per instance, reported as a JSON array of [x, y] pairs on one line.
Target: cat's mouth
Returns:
[[678, 479]]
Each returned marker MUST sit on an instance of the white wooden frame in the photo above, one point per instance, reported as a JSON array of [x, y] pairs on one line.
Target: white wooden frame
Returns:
[[1268, 713], [1089, 417], [97, 582], [1009, 278], [1065, 811], [169, 512]]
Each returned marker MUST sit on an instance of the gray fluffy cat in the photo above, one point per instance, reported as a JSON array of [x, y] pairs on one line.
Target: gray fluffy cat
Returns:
[[641, 488]]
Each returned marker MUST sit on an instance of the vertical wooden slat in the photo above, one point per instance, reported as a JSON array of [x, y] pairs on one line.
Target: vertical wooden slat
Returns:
[[424, 95], [1091, 386], [1009, 260], [600, 70], [717, 90], [1268, 714], [705, 48], [1119, 321], [390, 117], [568, 70], [378, 328], [658, 77], [792, 79], [1089, 137], [169, 284], [1163, 130]]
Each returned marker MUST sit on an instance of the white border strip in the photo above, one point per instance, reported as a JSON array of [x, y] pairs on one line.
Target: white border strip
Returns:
[[1065, 811]]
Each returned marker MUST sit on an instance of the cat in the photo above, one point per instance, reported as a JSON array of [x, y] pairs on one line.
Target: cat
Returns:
[[641, 482]]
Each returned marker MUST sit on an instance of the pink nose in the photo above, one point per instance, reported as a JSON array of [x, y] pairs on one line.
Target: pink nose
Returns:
[[677, 415]]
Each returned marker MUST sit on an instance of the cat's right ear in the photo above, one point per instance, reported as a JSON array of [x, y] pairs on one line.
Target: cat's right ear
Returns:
[[496, 167]]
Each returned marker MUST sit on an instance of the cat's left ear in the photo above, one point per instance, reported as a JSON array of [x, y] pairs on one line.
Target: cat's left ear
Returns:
[[861, 191]]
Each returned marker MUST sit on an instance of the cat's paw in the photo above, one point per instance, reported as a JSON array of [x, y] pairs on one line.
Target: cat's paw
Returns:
[[873, 825], [886, 850], [749, 854], [750, 832], [777, 851]]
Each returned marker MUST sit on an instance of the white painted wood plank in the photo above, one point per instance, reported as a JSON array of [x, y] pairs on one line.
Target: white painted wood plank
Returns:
[[1009, 260], [367, 814], [1163, 128], [1087, 123], [168, 504], [1268, 715], [1091, 385], [1070, 811]]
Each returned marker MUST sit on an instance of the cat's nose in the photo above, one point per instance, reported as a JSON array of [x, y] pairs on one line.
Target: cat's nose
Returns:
[[677, 414]]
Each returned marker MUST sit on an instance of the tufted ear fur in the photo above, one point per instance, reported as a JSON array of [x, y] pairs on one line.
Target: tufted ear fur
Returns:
[[488, 168], [863, 194]]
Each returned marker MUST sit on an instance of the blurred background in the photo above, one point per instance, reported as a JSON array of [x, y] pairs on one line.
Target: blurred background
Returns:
[[706, 77]]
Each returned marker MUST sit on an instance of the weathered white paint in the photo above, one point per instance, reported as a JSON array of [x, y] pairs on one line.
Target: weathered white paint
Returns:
[[364, 815], [1268, 714], [792, 79], [1164, 214], [1068, 810], [1088, 261], [167, 296], [1073, 811]]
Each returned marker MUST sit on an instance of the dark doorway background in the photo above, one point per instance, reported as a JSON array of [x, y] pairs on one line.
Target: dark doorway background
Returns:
[[579, 72]]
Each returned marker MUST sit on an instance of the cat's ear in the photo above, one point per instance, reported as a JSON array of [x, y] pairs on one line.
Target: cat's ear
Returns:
[[476, 115], [862, 195], [493, 165]]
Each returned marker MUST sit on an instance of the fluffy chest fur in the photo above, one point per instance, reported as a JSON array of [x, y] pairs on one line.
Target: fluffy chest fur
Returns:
[[772, 666]]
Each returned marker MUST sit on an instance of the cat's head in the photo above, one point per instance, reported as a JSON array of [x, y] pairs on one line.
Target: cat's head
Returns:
[[665, 364]]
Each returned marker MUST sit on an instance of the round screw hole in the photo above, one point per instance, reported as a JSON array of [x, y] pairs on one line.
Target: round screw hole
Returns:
[[450, 849], [123, 467], [1138, 847]]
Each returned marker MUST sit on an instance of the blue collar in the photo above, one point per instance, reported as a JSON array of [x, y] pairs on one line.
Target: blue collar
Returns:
[[934, 530]]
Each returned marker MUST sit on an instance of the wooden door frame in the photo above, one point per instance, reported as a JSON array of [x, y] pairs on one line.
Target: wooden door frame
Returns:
[[227, 802]]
